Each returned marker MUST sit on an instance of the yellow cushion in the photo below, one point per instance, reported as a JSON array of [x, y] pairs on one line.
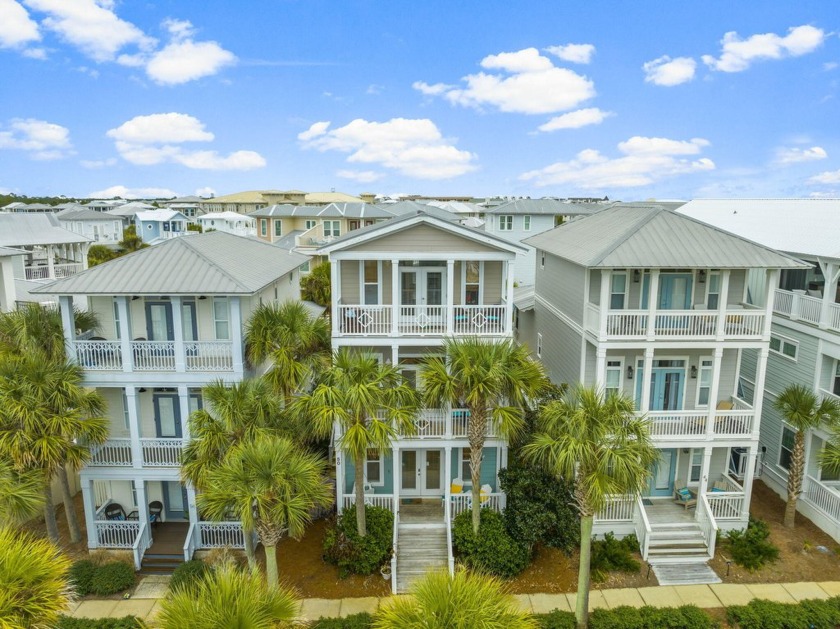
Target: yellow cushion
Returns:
[[455, 488]]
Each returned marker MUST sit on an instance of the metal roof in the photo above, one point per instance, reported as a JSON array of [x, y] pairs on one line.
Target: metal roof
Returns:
[[82, 214], [808, 227], [403, 208], [552, 207], [9, 251], [25, 229], [524, 297], [331, 210], [158, 215], [650, 236], [215, 263], [224, 216]]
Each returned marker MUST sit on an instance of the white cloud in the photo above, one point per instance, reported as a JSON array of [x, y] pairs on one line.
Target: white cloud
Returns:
[[133, 193], [94, 164], [795, 155], [40, 139], [576, 119], [16, 27], [644, 161], [738, 54], [526, 82], [828, 177], [668, 72], [205, 192], [414, 148], [828, 66], [374, 89], [184, 61], [362, 176], [576, 53], [155, 139]]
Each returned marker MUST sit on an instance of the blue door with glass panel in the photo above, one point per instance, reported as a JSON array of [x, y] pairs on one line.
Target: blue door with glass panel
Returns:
[[662, 479], [674, 291], [667, 385]]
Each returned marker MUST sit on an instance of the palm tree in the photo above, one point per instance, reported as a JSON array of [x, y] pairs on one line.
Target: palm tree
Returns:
[[48, 422], [34, 584], [600, 442], [228, 598], [21, 494], [802, 410], [232, 414], [272, 486], [39, 326], [370, 402], [465, 600], [296, 343], [493, 381], [316, 286]]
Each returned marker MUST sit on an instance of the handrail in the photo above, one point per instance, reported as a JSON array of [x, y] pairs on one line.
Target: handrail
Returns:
[[706, 520], [643, 528], [189, 543], [447, 510], [139, 548], [394, 544]]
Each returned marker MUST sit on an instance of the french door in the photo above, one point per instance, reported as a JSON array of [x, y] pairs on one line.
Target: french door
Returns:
[[662, 481], [667, 385], [422, 287], [421, 472]]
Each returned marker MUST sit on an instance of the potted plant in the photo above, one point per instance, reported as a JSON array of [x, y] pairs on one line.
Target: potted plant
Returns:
[[385, 571]]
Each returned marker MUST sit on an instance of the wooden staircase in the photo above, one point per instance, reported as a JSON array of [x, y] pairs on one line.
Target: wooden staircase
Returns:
[[160, 563], [678, 542], [421, 542]]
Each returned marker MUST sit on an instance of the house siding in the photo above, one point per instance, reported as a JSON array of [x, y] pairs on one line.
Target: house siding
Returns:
[[526, 263], [562, 283], [424, 238], [560, 347]]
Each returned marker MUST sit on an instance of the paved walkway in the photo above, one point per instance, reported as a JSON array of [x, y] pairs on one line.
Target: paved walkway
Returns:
[[145, 602]]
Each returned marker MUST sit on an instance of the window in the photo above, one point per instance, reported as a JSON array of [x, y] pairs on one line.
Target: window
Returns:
[[696, 465], [786, 449], [263, 227], [332, 229], [278, 227], [117, 317], [704, 384], [539, 345], [506, 223], [526, 223], [309, 224], [304, 268], [614, 371], [373, 468], [370, 281], [542, 259], [221, 318], [618, 290], [466, 473], [125, 410], [713, 296], [472, 283], [835, 384], [784, 346]]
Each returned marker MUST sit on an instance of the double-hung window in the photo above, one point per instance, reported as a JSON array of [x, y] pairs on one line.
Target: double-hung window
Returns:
[[526, 223], [835, 385], [506, 223], [784, 346], [332, 229], [472, 283], [309, 223], [371, 281], [786, 448], [696, 465], [373, 468], [713, 296], [466, 472], [221, 318], [278, 227], [263, 227], [117, 317], [613, 376], [704, 383], [618, 290]]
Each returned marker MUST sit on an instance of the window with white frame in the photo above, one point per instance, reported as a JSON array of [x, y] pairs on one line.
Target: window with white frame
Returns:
[[305, 267], [613, 377], [506, 223], [125, 411], [835, 381], [539, 345], [618, 290], [472, 282], [784, 346], [117, 317], [696, 465], [370, 281], [332, 229], [221, 318], [786, 447], [713, 288], [309, 223], [704, 382], [373, 468], [464, 467], [526, 223], [263, 227], [278, 227]]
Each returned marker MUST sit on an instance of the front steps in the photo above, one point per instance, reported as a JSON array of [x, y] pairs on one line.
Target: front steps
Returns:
[[160, 563], [421, 548], [681, 543]]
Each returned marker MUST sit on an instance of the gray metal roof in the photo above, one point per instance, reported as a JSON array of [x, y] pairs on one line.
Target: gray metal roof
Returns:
[[8, 251], [650, 236], [552, 207], [331, 210], [82, 214], [524, 297], [215, 263], [403, 208], [25, 229]]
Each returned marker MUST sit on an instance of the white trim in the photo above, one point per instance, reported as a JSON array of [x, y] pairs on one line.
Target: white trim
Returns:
[[528, 223], [381, 463], [625, 294], [782, 340], [420, 255], [467, 481], [464, 281], [504, 224], [620, 368], [708, 284], [539, 344], [363, 284], [700, 368]]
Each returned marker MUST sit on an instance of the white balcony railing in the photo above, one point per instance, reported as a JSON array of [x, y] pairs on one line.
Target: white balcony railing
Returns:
[[112, 453], [800, 306], [419, 320], [161, 452], [436, 423], [209, 355], [116, 534], [386, 501], [823, 495], [726, 505], [99, 355], [617, 509], [67, 269], [693, 425], [363, 320], [463, 502], [153, 355], [220, 535], [706, 521], [737, 322], [480, 319]]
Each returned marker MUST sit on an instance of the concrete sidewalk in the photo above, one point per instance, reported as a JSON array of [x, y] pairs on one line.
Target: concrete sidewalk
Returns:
[[145, 605]]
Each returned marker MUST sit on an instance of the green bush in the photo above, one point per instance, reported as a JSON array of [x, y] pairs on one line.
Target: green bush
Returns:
[[810, 614], [356, 621], [752, 548], [81, 576], [493, 550], [127, 622], [360, 555], [557, 620], [540, 509], [112, 578], [685, 617], [613, 555], [188, 574]]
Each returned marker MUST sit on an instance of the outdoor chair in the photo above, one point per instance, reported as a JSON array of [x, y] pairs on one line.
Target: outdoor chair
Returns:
[[155, 509], [684, 496], [115, 511]]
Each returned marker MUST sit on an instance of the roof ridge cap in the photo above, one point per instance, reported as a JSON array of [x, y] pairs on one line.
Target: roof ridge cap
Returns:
[[201, 255], [633, 229]]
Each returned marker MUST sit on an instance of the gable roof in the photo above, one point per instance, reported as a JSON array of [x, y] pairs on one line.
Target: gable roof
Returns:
[[158, 215], [9, 251], [83, 214], [225, 216], [378, 230], [215, 263], [809, 227], [24, 229], [643, 235], [549, 207]]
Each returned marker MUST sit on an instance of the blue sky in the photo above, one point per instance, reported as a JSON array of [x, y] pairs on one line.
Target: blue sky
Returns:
[[630, 100]]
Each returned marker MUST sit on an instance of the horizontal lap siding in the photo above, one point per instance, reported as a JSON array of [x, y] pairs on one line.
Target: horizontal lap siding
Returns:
[[560, 347], [423, 238], [493, 282], [349, 281], [562, 283]]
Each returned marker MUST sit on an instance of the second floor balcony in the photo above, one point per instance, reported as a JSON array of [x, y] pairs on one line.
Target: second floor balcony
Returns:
[[798, 305], [198, 356]]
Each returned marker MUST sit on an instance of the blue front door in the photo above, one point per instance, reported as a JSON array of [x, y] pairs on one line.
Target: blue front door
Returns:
[[174, 500], [159, 321], [667, 385], [674, 291], [167, 416], [662, 480]]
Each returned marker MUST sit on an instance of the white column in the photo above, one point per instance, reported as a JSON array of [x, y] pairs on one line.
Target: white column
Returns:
[[339, 478], [600, 368], [704, 470], [134, 426], [184, 404], [722, 303], [653, 300], [142, 501], [749, 475], [758, 394], [7, 285], [396, 298], [772, 283], [509, 309], [178, 334], [89, 503], [51, 261], [395, 473], [647, 374], [447, 480], [604, 304], [83, 252], [395, 355], [450, 296], [831, 271], [336, 296], [191, 507], [68, 323], [125, 333], [714, 390], [236, 334]]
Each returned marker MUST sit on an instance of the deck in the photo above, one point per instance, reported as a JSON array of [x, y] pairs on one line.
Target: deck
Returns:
[[168, 538]]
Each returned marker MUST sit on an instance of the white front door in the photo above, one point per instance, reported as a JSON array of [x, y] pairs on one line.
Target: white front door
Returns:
[[421, 473]]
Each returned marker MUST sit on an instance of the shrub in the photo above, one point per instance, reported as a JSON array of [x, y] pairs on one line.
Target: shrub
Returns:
[[493, 550], [752, 548], [685, 617], [557, 620], [613, 555], [315, 286], [126, 622], [360, 555], [188, 574], [81, 576], [540, 509], [356, 621], [112, 578], [810, 614]]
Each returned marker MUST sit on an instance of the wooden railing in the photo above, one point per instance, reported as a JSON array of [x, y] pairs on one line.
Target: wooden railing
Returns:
[[617, 509], [741, 322], [112, 453], [706, 521], [116, 534], [642, 526], [463, 502], [726, 505], [209, 355], [161, 452]]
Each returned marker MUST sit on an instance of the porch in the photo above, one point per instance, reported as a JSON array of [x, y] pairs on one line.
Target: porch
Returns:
[[44, 263]]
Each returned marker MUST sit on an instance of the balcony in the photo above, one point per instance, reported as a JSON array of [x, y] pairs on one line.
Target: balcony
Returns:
[[737, 422], [798, 306], [154, 452], [41, 272], [401, 320], [438, 423], [199, 356]]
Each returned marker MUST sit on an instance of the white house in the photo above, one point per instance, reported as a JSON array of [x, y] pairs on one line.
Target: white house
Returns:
[[100, 227], [229, 222]]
